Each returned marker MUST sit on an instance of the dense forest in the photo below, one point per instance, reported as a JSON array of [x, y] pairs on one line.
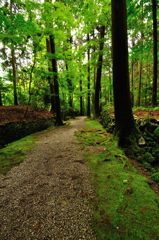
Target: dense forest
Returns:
[[85, 72], [58, 54]]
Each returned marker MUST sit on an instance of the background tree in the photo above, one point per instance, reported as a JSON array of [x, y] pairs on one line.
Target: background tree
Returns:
[[99, 72], [155, 57]]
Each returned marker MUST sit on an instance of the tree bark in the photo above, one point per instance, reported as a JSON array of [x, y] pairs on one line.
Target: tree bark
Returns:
[[13, 63], [88, 82], [94, 79], [56, 84], [123, 111], [81, 98], [1, 102], [132, 76], [155, 59], [140, 85], [14, 71], [132, 84], [70, 88], [99, 73], [110, 88], [50, 80]]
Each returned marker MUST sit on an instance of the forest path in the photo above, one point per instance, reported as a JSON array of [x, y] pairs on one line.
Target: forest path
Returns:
[[47, 196]]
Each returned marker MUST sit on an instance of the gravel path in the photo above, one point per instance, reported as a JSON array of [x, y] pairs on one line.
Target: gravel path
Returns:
[[47, 196]]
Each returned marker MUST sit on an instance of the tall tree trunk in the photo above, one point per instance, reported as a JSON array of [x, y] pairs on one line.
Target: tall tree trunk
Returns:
[[1, 102], [70, 88], [140, 85], [50, 79], [81, 98], [146, 83], [155, 59], [88, 83], [94, 78], [99, 72], [141, 56], [132, 71], [13, 63], [148, 99], [14, 71], [132, 76], [56, 84], [132, 83], [110, 88], [123, 111]]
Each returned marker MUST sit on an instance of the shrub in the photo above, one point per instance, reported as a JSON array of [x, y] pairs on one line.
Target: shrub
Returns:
[[148, 157], [156, 132], [155, 177]]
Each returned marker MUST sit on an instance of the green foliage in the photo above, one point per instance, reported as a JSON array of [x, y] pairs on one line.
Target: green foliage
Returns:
[[26, 25], [126, 206], [148, 157], [155, 177], [156, 132]]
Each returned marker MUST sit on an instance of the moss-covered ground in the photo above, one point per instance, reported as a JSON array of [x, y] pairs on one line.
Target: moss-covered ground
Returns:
[[125, 206], [14, 153]]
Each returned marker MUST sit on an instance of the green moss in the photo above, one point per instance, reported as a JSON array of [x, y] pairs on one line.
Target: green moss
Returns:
[[155, 177], [14, 153], [126, 207]]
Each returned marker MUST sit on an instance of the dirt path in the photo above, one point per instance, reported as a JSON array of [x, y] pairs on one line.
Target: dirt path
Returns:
[[47, 196]]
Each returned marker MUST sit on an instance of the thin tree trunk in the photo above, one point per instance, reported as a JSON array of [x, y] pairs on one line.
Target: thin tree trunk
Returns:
[[13, 63], [88, 83], [123, 111], [50, 79], [148, 99], [1, 102], [69, 82], [139, 100], [94, 80], [56, 84], [146, 85], [110, 88], [132, 76], [155, 59], [31, 78], [132, 71], [14, 71], [81, 98], [99, 73], [140, 85], [132, 83]]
